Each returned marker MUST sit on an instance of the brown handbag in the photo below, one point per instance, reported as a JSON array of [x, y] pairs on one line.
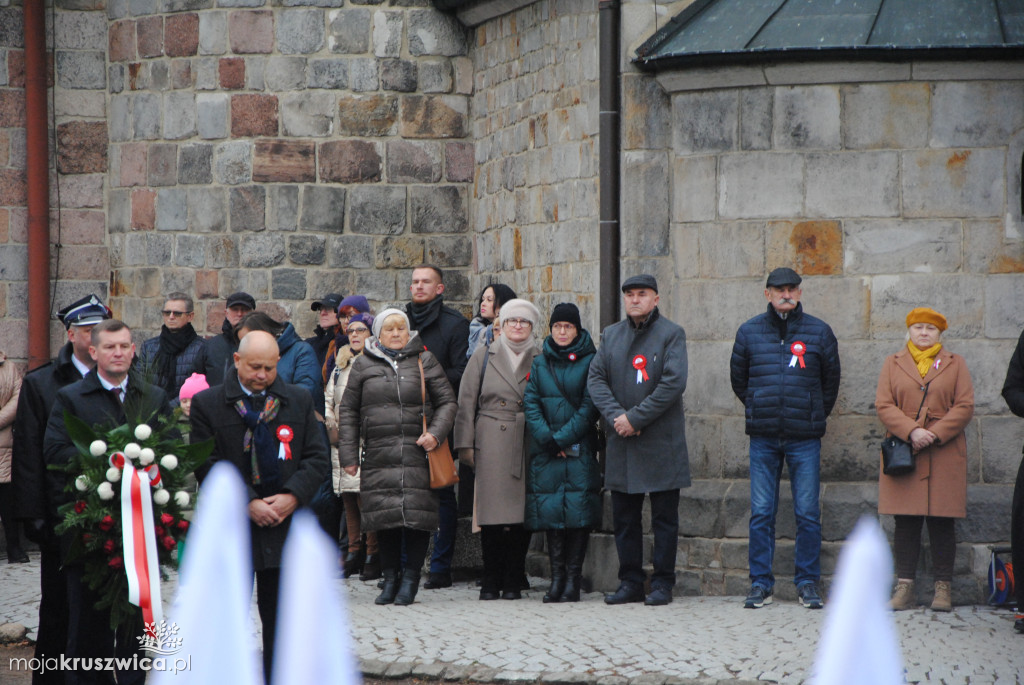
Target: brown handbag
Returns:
[[442, 467]]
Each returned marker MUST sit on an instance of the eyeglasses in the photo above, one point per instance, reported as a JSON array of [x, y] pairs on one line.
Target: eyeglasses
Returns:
[[519, 323], [563, 327], [170, 313], [361, 329]]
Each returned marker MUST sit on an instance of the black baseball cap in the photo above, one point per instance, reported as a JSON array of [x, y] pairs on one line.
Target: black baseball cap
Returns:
[[329, 302]]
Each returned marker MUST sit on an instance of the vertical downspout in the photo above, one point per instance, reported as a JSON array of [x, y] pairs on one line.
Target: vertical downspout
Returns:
[[38, 183], [609, 238]]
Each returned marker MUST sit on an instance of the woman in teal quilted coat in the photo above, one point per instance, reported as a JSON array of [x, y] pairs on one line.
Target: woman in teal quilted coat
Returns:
[[563, 486]]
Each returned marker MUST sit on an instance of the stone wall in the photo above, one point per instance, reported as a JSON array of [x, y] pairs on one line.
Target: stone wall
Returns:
[[888, 187], [535, 121], [78, 149], [288, 151]]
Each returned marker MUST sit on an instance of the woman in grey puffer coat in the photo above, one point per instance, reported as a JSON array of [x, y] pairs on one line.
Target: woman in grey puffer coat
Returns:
[[382, 406]]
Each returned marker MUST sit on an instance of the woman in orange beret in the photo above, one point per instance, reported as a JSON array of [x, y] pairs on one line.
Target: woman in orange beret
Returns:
[[926, 381]]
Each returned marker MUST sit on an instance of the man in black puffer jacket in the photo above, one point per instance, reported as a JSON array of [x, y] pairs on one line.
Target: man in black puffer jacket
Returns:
[[216, 355], [785, 370]]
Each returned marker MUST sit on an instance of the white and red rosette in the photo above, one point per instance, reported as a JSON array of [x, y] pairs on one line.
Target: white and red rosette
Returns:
[[640, 364], [798, 349], [284, 436]]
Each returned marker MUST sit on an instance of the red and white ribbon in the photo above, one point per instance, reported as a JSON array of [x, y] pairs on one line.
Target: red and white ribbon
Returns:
[[285, 435], [141, 563], [640, 364], [798, 349]]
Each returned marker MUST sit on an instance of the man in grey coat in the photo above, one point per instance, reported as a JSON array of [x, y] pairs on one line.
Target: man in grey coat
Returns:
[[637, 381]]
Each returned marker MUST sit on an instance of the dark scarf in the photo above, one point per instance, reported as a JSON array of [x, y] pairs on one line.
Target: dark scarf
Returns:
[[259, 441], [228, 331], [422, 315], [172, 343]]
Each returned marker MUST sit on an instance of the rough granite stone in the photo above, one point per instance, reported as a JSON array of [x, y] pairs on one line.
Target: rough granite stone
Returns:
[[350, 161], [233, 162], [283, 161], [387, 33], [212, 115], [399, 75], [378, 210], [284, 73], [300, 31], [172, 209], [253, 115], [282, 208], [308, 114], [413, 161], [328, 73], [288, 284], [348, 31], [323, 209], [179, 111], [207, 210], [373, 115], [194, 163], [439, 209], [261, 250], [434, 116], [307, 249], [251, 31], [248, 208], [433, 33]]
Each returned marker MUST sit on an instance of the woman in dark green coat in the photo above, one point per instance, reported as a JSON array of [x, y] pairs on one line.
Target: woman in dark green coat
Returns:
[[563, 486]]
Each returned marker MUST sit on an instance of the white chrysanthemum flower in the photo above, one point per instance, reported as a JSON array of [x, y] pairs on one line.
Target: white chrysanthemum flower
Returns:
[[161, 497], [132, 450], [113, 474], [105, 490], [82, 483], [169, 462], [181, 498], [142, 432], [98, 448], [146, 456]]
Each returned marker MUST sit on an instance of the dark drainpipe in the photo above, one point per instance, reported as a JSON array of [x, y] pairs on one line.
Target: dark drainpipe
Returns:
[[609, 238], [38, 183]]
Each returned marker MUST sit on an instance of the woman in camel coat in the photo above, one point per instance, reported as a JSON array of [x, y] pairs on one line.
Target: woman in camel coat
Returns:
[[490, 433], [936, 490]]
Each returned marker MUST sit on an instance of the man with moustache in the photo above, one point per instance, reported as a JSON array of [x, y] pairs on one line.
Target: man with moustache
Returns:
[[106, 398], [31, 494], [785, 371], [637, 381]]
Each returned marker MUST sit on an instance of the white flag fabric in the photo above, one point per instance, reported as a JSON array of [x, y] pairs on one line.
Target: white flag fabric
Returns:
[[211, 608], [859, 644], [312, 642]]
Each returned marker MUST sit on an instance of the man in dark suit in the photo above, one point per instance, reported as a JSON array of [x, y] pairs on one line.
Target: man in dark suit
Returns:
[[105, 398], [31, 494], [268, 430]]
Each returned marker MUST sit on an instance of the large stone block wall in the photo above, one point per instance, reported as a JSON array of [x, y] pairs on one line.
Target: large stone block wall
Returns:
[[535, 121], [288, 151], [886, 188], [76, 35]]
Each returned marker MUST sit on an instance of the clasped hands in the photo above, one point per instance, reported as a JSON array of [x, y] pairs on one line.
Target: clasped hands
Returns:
[[623, 427], [272, 511], [921, 438]]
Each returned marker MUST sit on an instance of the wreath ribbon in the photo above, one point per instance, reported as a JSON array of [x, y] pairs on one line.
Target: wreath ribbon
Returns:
[[138, 536]]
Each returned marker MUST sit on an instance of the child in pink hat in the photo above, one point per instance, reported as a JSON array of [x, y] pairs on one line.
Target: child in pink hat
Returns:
[[195, 383]]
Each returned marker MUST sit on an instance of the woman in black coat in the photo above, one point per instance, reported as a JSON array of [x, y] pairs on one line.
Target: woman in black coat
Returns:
[[383, 407]]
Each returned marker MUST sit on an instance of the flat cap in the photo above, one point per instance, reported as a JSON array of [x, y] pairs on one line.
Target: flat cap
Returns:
[[640, 281], [782, 276], [241, 298]]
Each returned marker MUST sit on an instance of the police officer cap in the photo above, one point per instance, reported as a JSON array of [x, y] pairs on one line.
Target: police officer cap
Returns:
[[87, 311], [641, 281], [783, 276]]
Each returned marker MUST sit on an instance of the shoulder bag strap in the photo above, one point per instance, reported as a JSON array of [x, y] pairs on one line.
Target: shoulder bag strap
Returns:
[[922, 400], [423, 393]]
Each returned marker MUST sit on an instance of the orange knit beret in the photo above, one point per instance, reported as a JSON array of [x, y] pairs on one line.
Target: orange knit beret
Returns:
[[926, 315]]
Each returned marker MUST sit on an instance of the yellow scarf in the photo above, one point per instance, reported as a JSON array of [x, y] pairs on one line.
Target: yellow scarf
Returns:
[[923, 358]]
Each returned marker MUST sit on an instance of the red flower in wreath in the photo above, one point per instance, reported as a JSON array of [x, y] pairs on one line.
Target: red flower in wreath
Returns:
[[168, 542], [166, 519], [183, 525], [108, 546], [106, 523], [80, 506], [160, 530], [116, 562]]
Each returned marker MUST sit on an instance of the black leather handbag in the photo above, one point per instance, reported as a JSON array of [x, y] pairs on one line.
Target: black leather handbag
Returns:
[[897, 454]]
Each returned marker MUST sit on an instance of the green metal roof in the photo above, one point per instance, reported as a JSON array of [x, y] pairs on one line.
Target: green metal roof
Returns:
[[745, 31]]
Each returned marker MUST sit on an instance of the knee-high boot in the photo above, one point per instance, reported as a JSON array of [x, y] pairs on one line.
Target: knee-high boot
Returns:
[[576, 540], [556, 554]]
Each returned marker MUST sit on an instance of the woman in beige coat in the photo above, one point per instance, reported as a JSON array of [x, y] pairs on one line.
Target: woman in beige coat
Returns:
[[490, 433], [10, 386], [358, 559], [925, 375]]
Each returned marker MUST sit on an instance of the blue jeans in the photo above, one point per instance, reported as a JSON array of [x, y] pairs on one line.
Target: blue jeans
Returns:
[[803, 458]]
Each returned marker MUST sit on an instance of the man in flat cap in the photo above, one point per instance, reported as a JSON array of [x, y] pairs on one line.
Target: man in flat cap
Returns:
[[785, 371], [327, 325], [216, 355], [32, 497], [637, 381]]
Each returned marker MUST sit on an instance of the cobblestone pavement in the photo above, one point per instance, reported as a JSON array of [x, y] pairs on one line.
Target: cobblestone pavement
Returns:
[[449, 634]]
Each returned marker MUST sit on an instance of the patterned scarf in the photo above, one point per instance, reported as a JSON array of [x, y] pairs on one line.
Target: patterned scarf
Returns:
[[259, 442], [923, 358]]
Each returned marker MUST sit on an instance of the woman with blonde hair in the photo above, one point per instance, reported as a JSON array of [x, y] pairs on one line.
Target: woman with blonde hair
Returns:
[[925, 398]]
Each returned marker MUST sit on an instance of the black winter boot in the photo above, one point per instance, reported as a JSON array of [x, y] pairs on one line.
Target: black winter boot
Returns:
[[556, 554], [576, 540], [409, 587], [387, 595]]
